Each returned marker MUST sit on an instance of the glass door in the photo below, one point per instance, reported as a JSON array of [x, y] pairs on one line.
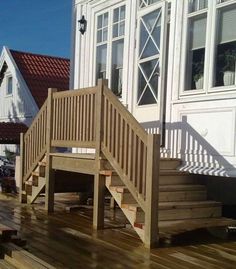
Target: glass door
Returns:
[[150, 73]]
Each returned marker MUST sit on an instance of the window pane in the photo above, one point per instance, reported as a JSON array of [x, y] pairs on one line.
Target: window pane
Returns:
[[116, 15], [227, 25], [122, 13], [105, 33], [105, 21], [101, 61], [196, 53], [9, 85], [115, 30], [145, 3], [117, 66], [99, 36], [100, 21], [195, 5], [198, 33], [122, 29], [226, 48]]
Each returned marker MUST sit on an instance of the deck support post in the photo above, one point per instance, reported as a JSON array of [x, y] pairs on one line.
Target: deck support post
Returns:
[[98, 202], [49, 173], [99, 180], [151, 233], [22, 157]]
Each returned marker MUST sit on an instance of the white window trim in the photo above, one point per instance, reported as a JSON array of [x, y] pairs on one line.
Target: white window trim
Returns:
[[7, 81], [97, 12], [210, 50]]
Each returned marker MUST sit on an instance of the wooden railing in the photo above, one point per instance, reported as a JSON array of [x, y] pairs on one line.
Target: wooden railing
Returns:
[[34, 142], [95, 118], [134, 154], [74, 118], [125, 144]]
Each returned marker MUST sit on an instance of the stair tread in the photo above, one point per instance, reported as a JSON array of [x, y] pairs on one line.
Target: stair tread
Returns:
[[171, 172], [187, 204], [190, 224], [182, 187], [6, 265], [164, 188], [177, 205], [42, 163]]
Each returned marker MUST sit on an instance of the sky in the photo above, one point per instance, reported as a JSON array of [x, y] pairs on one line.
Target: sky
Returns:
[[37, 26]]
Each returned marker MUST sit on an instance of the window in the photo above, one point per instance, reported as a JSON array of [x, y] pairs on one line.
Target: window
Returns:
[[110, 47], [225, 47], [217, 45], [9, 85], [196, 52]]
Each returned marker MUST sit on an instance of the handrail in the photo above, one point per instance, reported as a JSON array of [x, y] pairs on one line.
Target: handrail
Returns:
[[35, 142]]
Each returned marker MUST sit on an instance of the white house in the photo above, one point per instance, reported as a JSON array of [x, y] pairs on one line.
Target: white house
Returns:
[[24, 82], [172, 63]]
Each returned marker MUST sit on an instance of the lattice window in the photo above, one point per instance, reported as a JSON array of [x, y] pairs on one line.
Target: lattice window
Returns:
[[149, 54], [145, 3]]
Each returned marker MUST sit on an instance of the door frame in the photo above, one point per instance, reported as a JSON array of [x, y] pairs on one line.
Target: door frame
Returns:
[[157, 108]]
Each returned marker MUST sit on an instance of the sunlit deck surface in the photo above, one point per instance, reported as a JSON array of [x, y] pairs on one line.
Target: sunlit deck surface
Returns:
[[67, 240]]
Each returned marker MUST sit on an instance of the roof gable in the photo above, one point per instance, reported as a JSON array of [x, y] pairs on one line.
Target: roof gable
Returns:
[[41, 72]]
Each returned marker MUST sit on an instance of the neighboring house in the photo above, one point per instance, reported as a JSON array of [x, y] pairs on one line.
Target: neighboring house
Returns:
[[172, 63], [24, 82]]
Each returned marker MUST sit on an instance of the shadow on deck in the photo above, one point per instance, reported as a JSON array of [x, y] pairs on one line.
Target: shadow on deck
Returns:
[[67, 240]]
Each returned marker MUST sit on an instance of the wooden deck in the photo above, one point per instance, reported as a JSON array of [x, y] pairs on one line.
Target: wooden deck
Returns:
[[67, 240]]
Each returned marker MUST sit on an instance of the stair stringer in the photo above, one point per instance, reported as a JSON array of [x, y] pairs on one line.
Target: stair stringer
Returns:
[[130, 215], [36, 189]]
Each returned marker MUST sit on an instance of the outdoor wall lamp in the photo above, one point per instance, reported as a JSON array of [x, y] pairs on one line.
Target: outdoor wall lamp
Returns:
[[82, 24]]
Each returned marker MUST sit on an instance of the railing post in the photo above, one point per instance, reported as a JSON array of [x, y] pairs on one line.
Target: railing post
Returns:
[[22, 161], [49, 174], [99, 180], [151, 236]]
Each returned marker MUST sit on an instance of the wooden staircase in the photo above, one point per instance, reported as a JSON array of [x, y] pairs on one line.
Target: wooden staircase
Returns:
[[35, 184], [181, 198], [152, 192]]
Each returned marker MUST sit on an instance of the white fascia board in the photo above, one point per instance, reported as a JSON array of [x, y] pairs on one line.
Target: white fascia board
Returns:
[[10, 61], [73, 39]]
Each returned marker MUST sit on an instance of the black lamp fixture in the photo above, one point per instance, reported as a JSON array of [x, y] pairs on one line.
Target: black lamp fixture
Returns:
[[83, 24]]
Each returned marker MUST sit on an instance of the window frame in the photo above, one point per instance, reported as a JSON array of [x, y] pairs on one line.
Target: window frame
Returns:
[[8, 77], [109, 43], [210, 50]]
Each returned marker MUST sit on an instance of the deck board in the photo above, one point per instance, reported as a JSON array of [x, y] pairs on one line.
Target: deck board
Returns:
[[66, 240]]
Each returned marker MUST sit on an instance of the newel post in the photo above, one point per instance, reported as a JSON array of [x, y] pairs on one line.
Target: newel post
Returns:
[[151, 236], [49, 174], [99, 180], [22, 161]]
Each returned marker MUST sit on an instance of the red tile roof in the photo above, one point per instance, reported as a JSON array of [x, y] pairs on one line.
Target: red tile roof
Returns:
[[10, 132], [41, 72]]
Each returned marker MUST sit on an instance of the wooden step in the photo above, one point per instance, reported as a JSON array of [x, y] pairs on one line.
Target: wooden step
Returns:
[[168, 193], [4, 264], [170, 163], [28, 187], [174, 177], [180, 210], [36, 190], [23, 259], [178, 226]]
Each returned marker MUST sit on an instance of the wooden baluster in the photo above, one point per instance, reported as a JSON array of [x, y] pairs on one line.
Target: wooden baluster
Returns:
[[152, 190]]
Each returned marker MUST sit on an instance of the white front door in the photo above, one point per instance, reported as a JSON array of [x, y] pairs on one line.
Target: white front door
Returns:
[[150, 72]]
